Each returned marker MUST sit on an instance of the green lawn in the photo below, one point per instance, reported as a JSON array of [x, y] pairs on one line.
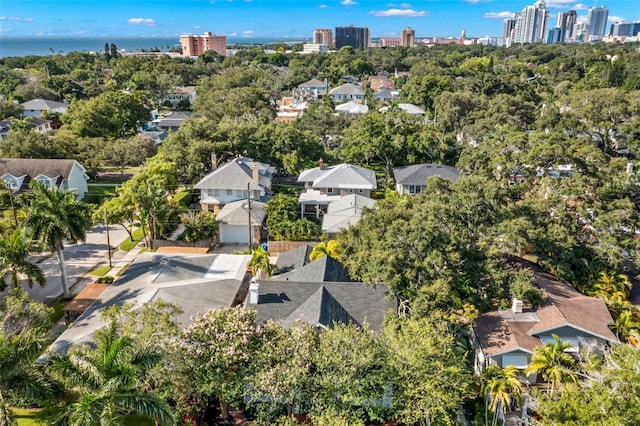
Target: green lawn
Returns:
[[100, 271], [128, 244], [183, 197], [99, 193], [57, 311]]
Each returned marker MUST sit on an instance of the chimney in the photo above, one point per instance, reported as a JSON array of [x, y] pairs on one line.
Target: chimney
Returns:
[[254, 290], [517, 306], [254, 174], [321, 164], [214, 161]]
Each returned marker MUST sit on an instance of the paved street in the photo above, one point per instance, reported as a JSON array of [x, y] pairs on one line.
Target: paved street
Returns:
[[80, 259]]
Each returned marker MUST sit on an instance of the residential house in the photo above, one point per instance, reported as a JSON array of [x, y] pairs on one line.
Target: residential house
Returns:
[[169, 120], [412, 180], [296, 265], [379, 81], [386, 94], [66, 174], [290, 109], [347, 91], [179, 94], [344, 212], [230, 181], [352, 107], [314, 88], [40, 125], [236, 220], [408, 108], [350, 79], [194, 282], [319, 292], [509, 337], [35, 107], [323, 185]]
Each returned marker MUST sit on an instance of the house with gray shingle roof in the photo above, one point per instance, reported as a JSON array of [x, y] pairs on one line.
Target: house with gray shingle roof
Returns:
[[321, 304], [323, 185], [35, 107], [509, 337], [411, 180], [344, 212], [229, 182], [66, 174], [347, 91], [313, 88]]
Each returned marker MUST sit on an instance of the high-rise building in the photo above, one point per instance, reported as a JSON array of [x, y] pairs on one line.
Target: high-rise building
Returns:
[[197, 45], [566, 21], [356, 37], [408, 37], [555, 35], [597, 20], [531, 24], [625, 29], [323, 36], [508, 27]]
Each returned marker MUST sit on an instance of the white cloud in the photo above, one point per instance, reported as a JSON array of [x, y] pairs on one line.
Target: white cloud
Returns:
[[5, 30], [141, 21], [615, 19], [247, 33], [559, 4], [476, 1], [348, 2], [580, 6], [323, 6], [498, 15], [405, 13], [15, 18]]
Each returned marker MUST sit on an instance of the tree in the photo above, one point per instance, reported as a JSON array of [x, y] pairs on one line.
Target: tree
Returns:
[[9, 109], [108, 381], [553, 363], [283, 366], [352, 374], [23, 337], [14, 263], [260, 263], [54, 216], [501, 385], [199, 226], [330, 248], [429, 375], [215, 354]]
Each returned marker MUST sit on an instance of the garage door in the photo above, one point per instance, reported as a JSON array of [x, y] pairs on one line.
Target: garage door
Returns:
[[234, 234]]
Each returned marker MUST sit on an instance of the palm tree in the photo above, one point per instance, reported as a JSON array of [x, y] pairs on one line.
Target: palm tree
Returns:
[[330, 248], [55, 215], [19, 377], [500, 385], [260, 262], [627, 326], [108, 381], [553, 363], [14, 252], [609, 283]]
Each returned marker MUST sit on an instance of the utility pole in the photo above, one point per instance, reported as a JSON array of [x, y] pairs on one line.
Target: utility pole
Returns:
[[249, 213]]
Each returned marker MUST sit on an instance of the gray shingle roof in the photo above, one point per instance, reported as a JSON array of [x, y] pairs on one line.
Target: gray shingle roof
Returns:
[[236, 174], [33, 168], [43, 104], [418, 174], [347, 89], [234, 213], [320, 270], [322, 303], [293, 259], [314, 82], [340, 176]]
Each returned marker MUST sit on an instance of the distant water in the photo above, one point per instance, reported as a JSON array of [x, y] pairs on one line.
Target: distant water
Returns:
[[49, 45]]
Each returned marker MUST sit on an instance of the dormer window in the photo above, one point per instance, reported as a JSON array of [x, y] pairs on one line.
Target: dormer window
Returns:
[[11, 182], [45, 181]]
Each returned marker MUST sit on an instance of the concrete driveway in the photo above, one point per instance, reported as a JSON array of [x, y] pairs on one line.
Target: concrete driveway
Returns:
[[79, 258]]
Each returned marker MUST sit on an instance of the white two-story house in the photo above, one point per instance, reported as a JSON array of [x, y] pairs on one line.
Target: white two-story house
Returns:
[[325, 184], [17, 173], [229, 182]]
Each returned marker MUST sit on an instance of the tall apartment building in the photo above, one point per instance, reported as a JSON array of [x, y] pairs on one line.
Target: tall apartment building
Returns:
[[508, 27], [390, 41], [197, 45], [531, 24], [408, 37], [625, 29], [356, 37], [566, 21], [597, 20], [323, 36]]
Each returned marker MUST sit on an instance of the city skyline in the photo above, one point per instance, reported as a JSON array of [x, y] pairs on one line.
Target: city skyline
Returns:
[[286, 19]]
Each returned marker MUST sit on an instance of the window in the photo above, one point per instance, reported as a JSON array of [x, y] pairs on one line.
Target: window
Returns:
[[229, 191], [350, 190], [360, 191], [216, 192], [329, 190], [12, 182], [415, 189], [45, 181], [518, 361]]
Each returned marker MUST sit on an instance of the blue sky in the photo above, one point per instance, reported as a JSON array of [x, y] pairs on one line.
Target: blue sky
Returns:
[[274, 18]]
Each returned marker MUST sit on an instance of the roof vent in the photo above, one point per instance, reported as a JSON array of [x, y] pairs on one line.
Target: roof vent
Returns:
[[516, 307]]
